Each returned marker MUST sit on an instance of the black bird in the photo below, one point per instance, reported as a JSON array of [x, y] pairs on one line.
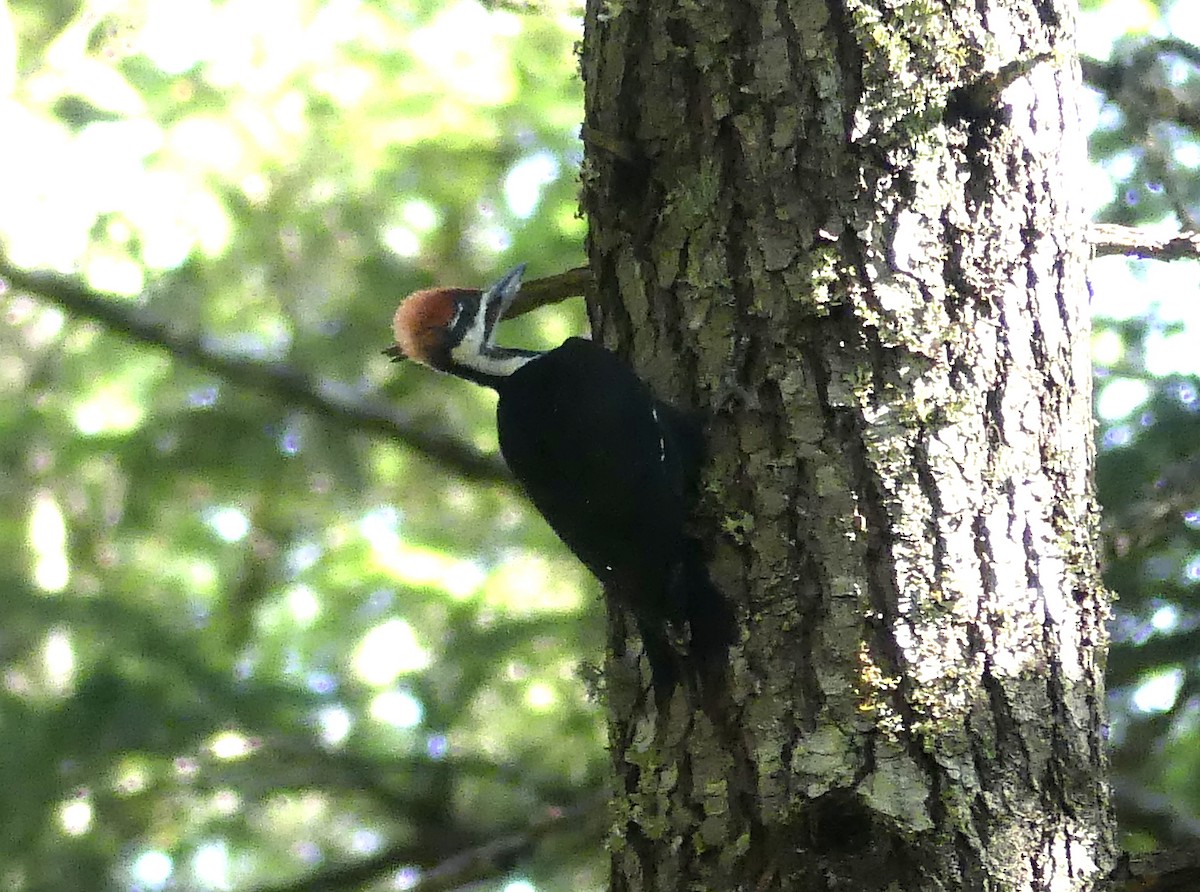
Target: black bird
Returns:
[[612, 469]]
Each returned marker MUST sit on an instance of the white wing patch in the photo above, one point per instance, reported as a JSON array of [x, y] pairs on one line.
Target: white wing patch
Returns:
[[662, 444]]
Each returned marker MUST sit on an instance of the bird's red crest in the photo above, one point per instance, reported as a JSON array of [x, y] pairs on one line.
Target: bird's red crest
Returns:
[[421, 321]]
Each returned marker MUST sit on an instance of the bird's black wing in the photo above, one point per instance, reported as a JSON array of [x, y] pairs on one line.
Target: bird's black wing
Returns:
[[614, 472], [585, 438]]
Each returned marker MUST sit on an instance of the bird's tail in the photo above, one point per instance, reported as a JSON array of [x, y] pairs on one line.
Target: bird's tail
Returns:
[[694, 641], [712, 626]]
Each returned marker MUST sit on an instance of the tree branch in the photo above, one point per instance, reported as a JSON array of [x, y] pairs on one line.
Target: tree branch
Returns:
[[1125, 79], [1107, 239], [330, 399], [488, 860], [1177, 870], [550, 290]]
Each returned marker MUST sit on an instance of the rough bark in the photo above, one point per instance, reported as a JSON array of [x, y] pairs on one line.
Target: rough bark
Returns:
[[851, 234]]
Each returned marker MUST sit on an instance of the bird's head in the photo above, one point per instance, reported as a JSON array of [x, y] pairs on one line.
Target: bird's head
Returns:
[[452, 330]]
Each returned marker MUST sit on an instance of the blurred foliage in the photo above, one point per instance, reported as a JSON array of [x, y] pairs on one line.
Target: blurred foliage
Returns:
[[245, 645], [1141, 59]]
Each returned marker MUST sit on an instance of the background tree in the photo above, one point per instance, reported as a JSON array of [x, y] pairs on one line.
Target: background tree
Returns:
[[272, 618]]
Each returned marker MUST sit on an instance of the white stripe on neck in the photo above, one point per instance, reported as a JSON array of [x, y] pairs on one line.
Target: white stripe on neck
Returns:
[[475, 352], [492, 365]]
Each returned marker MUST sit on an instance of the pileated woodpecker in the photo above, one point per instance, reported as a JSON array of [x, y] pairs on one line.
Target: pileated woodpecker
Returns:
[[612, 469]]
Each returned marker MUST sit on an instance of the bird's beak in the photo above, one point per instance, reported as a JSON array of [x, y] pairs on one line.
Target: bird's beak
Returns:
[[499, 298], [395, 353]]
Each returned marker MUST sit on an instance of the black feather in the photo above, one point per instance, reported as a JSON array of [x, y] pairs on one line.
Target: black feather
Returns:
[[614, 472]]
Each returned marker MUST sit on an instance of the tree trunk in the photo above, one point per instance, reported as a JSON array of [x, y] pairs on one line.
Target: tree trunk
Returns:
[[851, 233]]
